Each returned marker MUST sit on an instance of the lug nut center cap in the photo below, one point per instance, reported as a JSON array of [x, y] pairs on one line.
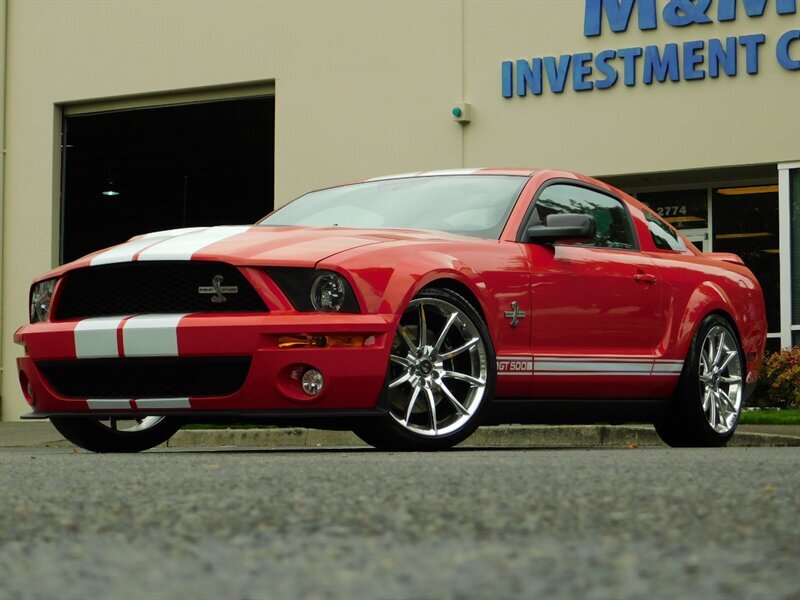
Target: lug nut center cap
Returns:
[[426, 367]]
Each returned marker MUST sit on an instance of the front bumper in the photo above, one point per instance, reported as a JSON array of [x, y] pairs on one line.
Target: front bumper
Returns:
[[354, 376]]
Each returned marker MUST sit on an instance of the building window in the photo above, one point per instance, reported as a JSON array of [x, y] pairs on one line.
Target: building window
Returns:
[[130, 172], [745, 222], [685, 209]]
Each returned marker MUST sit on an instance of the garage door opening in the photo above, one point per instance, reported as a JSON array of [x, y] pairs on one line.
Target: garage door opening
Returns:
[[135, 171]]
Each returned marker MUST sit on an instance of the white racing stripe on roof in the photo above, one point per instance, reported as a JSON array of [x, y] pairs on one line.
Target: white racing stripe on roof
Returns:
[[398, 176], [97, 337], [163, 403], [125, 252], [151, 335], [450, 172], [182, 247]]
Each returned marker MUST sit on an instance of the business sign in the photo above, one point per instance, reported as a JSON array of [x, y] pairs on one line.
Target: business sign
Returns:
[[692, 60]]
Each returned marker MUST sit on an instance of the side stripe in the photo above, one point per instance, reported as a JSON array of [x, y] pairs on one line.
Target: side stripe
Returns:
[[97, 338], [151, 335], [182, 247], [562, 366]]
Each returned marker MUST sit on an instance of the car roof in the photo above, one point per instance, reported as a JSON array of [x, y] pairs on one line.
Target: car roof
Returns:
[[480, 171]]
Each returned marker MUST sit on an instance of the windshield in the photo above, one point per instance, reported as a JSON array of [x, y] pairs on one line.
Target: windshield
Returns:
[[475, 205]]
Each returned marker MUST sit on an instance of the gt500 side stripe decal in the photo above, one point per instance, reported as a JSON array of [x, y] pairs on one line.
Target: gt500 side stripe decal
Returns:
[[561, 366]]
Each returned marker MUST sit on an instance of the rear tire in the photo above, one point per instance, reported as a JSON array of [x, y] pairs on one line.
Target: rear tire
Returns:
[[440, 379], [92, 434], [708, 401]]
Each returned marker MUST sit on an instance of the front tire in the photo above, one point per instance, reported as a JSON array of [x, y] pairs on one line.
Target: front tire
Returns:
[[440, 378], [116, 435], [708, 400]]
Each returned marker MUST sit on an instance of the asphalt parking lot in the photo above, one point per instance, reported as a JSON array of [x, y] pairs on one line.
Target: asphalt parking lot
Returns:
[[532, 523]]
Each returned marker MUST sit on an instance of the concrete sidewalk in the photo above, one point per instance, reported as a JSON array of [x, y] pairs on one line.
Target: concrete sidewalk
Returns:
[[41, 434]]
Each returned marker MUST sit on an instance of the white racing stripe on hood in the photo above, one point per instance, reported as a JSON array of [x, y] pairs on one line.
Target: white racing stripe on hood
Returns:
[[125, 252], [182, 247]]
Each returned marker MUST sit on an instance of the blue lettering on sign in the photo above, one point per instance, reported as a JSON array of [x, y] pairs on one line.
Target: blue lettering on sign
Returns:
[[677, 13], [722, 57], [661, 66], [689, 61], [782, 50], [601, 63]]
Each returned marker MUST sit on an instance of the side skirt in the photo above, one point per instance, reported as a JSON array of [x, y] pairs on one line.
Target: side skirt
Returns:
[[563, 411]]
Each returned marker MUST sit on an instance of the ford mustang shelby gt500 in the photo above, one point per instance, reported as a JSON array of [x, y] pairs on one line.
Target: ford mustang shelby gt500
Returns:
[[409, 309]]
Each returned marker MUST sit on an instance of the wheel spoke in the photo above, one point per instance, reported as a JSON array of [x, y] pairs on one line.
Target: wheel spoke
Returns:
[[432, 410], [706, 398], [712, 417], [411, 404], [400, 360], [464, 377], [449, 395], [404, 334], [725, 397], [423, 327], [704, 363], [113, 423], [450, 320], [722, 412], [720, 348], [711, 352], [730, 380], [728, 358], [453, 353], [400, 380]]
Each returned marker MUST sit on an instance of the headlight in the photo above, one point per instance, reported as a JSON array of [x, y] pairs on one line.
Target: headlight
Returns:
[[328, 292], [41, 294], [315, 289]]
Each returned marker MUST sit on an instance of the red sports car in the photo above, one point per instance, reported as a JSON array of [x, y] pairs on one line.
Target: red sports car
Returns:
[[410, 309]]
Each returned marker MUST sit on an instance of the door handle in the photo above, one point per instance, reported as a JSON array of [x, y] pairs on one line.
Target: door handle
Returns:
[[645, 278]]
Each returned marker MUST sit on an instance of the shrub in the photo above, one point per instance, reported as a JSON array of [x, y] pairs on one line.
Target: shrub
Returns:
[[779, 384]]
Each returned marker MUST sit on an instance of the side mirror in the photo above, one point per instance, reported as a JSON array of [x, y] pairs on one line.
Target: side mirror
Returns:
[[561, 227]]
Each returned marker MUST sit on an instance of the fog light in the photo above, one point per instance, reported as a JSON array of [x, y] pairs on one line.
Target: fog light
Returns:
[[312, 382]]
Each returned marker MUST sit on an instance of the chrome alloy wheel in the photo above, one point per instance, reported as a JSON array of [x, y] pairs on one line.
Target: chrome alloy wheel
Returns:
[[438, 369], [721, 379], [128, 425]]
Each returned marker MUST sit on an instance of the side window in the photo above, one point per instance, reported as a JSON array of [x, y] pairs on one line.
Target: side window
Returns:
[[611, 217], [664, 237]]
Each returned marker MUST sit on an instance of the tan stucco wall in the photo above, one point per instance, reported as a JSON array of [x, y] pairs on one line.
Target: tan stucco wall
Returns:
[[362, 89]]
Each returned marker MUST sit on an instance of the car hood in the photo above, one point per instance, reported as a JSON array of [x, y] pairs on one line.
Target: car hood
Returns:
[[252, 245]]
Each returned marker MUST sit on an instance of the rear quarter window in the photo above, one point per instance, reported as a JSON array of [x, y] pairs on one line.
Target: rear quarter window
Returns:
[[663, 235]]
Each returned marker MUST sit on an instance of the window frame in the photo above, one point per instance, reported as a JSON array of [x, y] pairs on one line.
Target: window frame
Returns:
[[636, 246]]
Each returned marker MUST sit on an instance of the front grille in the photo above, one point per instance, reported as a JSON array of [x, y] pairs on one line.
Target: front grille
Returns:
[[146, 377], [153, 287]]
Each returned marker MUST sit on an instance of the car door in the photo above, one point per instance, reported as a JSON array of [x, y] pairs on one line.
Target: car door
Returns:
[[598, 309]]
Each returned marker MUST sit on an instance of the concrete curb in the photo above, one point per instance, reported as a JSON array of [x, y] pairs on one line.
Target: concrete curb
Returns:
[[41, 434], [505, 436]]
